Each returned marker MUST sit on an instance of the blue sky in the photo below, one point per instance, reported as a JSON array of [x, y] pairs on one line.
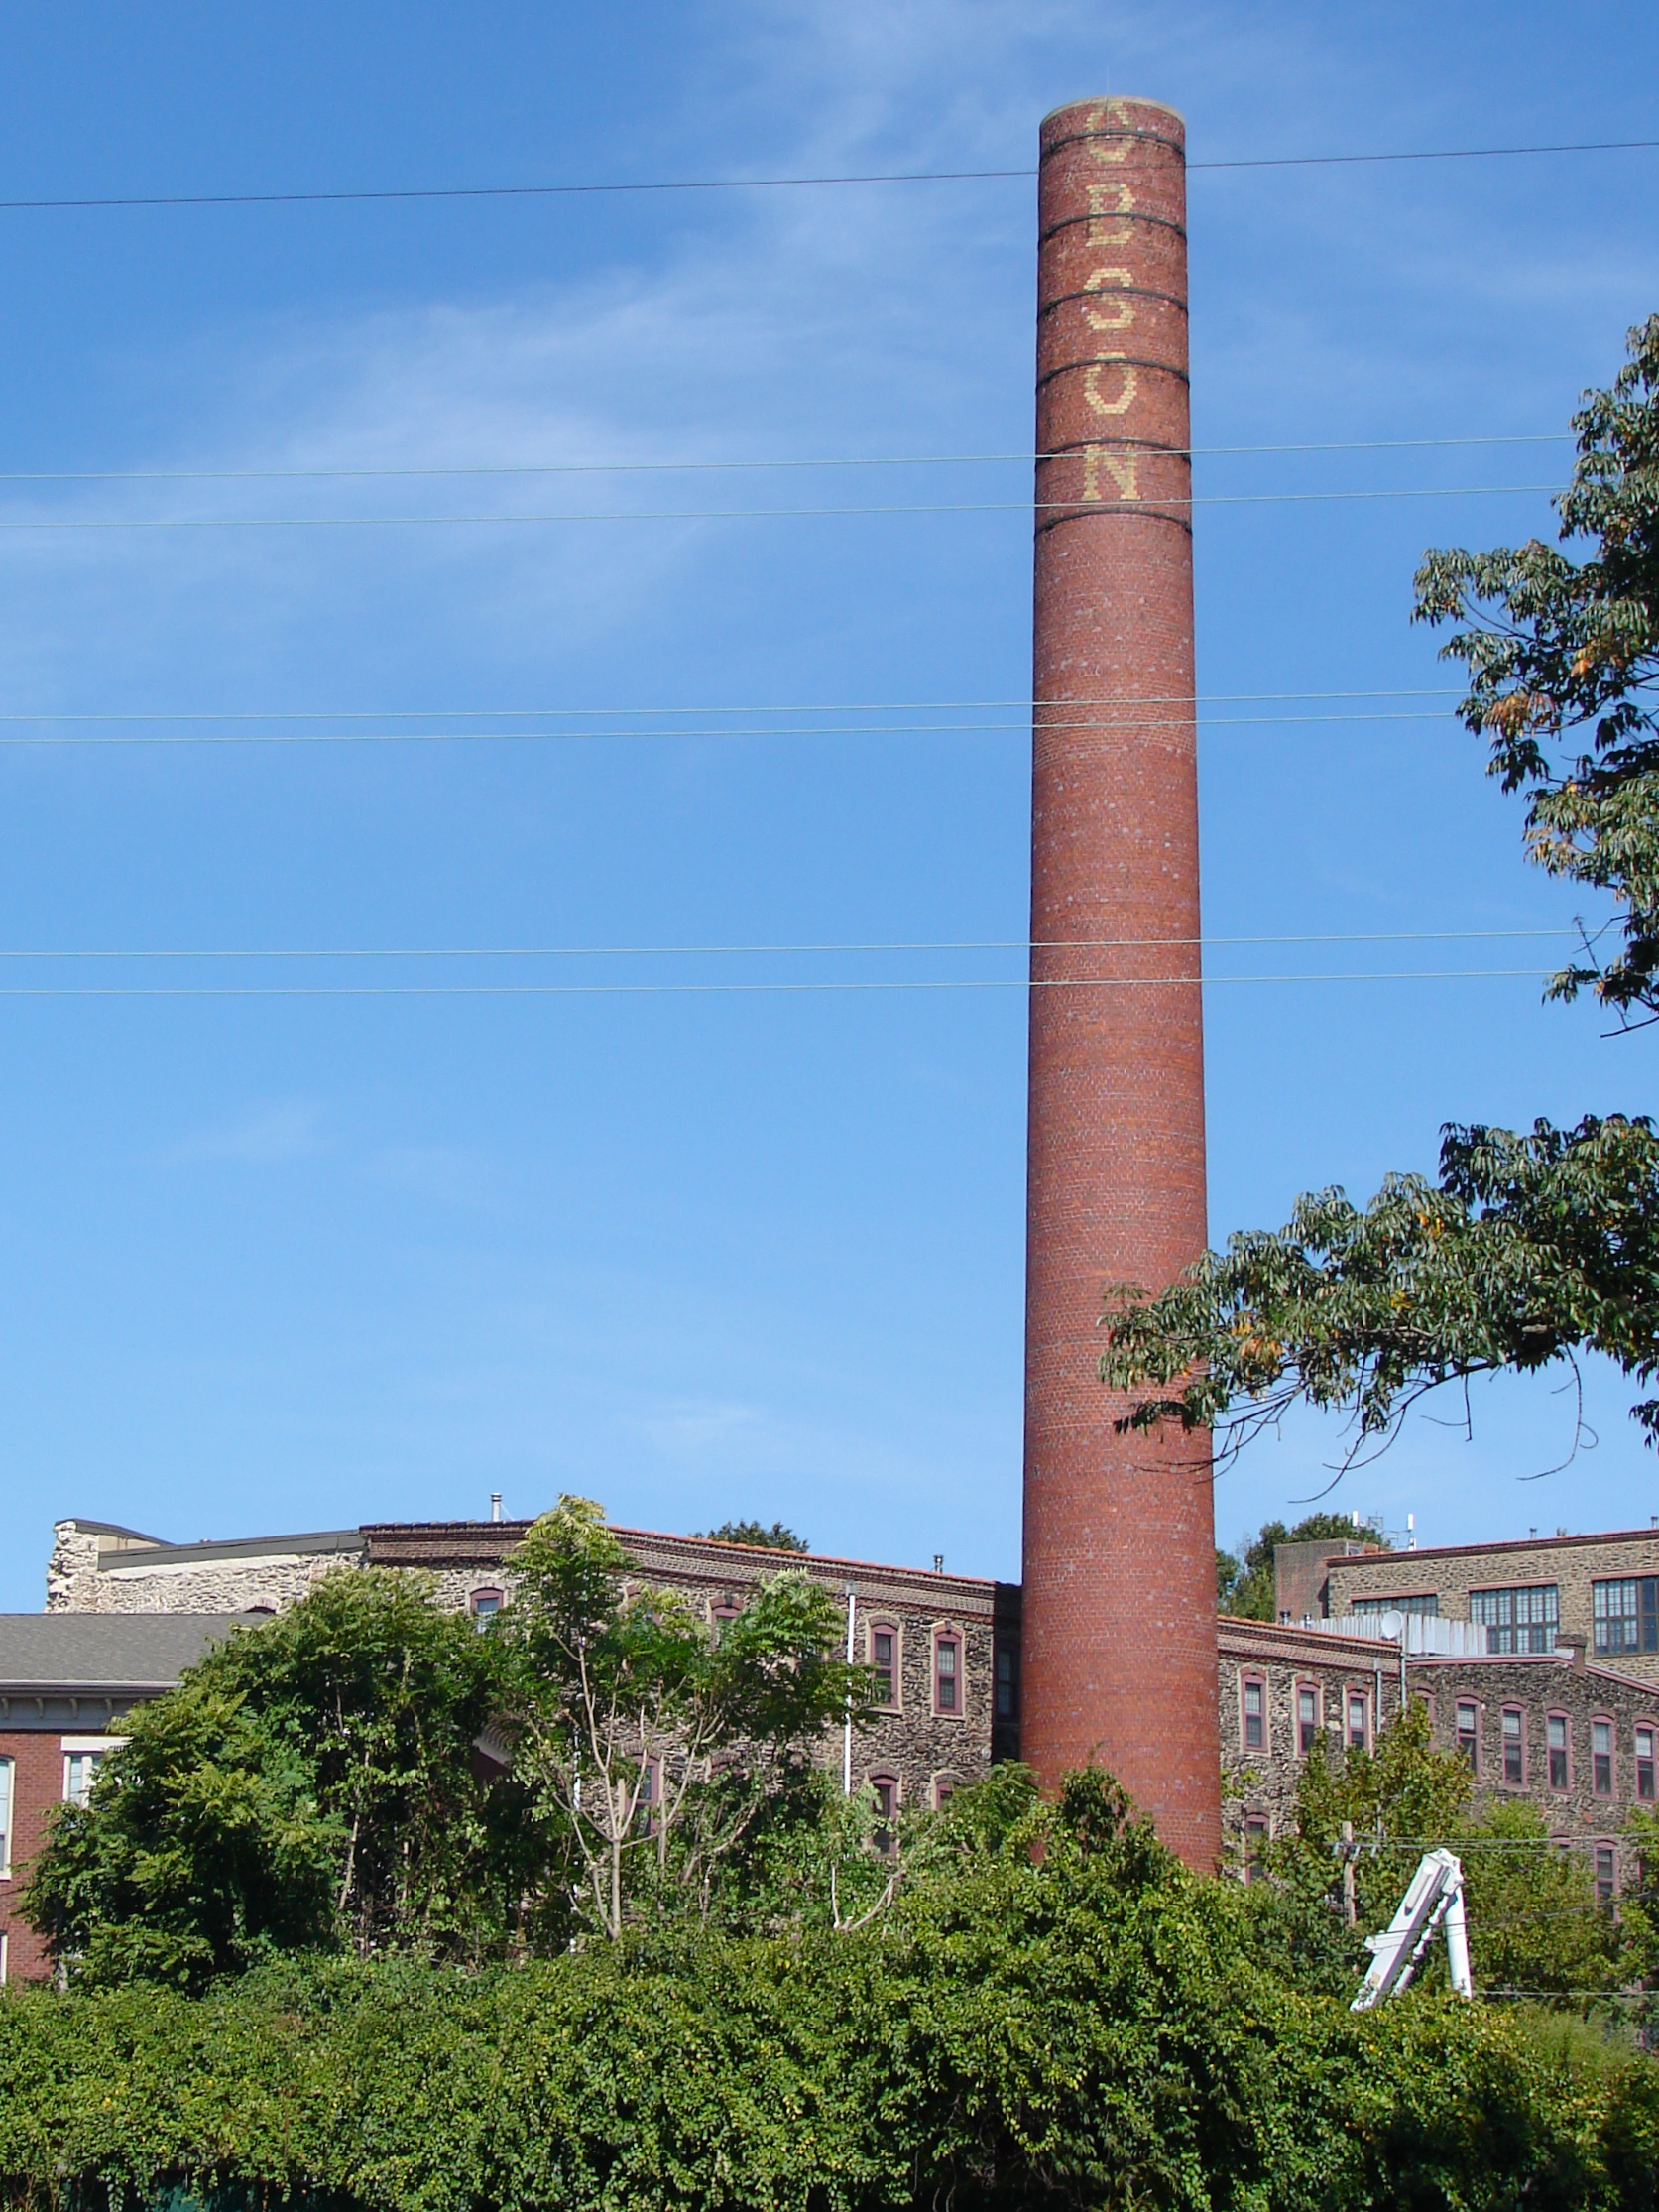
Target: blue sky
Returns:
[[299, 1261]]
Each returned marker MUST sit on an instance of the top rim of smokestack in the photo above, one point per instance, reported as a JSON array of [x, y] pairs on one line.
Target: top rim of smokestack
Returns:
[[1128, 99]]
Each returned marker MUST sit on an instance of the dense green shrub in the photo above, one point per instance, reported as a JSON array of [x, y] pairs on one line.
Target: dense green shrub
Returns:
[[1094, 2029]]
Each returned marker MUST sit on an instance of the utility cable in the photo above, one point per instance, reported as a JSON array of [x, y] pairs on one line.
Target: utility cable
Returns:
[[767, 951], [661, 468], [645, 736], [761, 514], [710, 989], [841, 706], [777, 183]]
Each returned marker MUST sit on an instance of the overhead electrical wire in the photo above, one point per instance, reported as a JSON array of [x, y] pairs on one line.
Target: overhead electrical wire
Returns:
[[767, 951], [777, 184], [36, 741], [745, 514], [714, 990], [820, 707], [661, 468]]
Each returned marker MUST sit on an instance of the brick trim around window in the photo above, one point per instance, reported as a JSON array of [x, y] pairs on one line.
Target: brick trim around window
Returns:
[[1254, 1720], [949, 1672], [885, 1660]]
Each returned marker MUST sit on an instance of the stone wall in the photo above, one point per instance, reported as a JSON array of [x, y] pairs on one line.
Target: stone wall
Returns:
[[918, 1749], [1536, 1688], [1260, 1784], [1571, 1563], [89, 1573]]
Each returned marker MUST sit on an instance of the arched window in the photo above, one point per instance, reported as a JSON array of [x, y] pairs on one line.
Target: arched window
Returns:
[[1644, 1762], [1558, 1735], [945, 1787], [885, 1835], [484, 1605], [1307, 1716], [1257, 1833], [1601, 1756], [1252, 1700], [1469, 1733], [948, 1684], [722, 1613], [1514, 1722], [1359, 1705], [884, 1662]]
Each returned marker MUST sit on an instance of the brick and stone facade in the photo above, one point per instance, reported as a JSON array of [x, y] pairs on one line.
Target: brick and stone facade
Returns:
[[1291, 1682], [1119, 1545], [1456, 1581], [1355, 1685], [97, 1567], [916, 1745]]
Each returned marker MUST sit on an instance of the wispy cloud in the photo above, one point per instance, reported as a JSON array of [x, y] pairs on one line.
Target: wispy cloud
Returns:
[[267, 1135]]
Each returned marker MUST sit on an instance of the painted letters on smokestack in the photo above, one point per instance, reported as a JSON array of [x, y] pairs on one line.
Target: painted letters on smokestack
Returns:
[[1119, 1631]]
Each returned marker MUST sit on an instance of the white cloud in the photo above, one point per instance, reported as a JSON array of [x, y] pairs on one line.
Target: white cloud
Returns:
[[267, 1135]]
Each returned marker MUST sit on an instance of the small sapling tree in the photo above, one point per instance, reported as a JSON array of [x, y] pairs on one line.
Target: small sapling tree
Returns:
[[654, 1740]]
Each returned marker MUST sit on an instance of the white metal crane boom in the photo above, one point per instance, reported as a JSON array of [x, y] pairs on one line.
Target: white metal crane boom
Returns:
[[1433, 1899]]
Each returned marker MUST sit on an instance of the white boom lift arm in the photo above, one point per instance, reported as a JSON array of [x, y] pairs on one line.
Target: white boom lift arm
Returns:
[[1433, 1899]]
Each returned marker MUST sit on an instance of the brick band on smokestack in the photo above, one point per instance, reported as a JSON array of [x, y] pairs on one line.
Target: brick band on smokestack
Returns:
[[1119, 1643]]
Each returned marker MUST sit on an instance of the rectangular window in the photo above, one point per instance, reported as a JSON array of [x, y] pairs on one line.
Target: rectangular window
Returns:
[[1255, 1836], [1557, 1731], [6, 1773], [1514, 1747], [721, 1618], [1307, 1717], [1606, 1872], [1469, 1733], [945, 1677], [1256, 1716], [1004, 1683], [1524, 1620], [1626, 1614], [80, 1771], [1425, 1605], [881, 1660], [1356, 1716], [1601, 1756], [1645, 1763], [885, 1791]]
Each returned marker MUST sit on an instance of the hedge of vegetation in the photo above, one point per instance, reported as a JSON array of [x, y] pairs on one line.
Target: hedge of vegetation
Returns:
[[1097, 2030]]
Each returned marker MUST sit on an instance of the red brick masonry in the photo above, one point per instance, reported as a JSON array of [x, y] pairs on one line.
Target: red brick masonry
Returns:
[[1119, 1631]]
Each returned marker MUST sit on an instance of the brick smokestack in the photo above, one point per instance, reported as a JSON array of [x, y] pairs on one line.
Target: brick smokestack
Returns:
[[1119, 1593]]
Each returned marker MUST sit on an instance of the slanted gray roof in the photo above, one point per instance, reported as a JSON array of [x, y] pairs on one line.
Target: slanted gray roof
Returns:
[[116, 1652], [152, 1552]]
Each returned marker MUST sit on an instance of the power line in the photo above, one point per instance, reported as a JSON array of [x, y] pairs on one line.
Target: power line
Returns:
[[775, 184], [841, 706], [660, 468], [689, 735], [712, 990], [756, 514], [758, 951]]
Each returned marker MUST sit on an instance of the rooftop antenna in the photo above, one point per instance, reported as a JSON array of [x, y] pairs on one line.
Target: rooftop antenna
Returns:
[[1411, 1531]]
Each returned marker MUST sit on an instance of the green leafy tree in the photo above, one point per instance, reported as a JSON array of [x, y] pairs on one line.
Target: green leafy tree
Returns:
[[1535, 1925], [658, 1743], [315, 1782], [757, 1536], [202, 1848], [1244, 1579], [1529, 1247]]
